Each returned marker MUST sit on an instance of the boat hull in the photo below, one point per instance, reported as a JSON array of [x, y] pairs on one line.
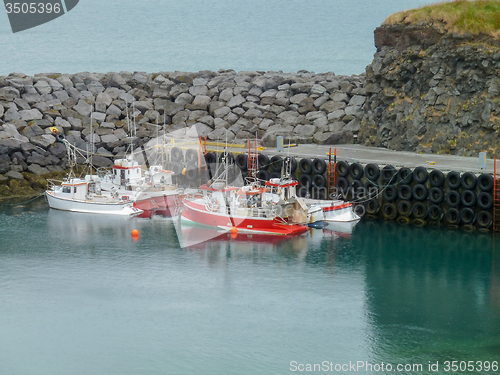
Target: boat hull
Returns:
[[118, 208], [195, 211]]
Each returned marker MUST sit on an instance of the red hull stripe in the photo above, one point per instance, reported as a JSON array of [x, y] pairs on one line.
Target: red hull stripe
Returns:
[[118, 167], [294, 183], [334, 208], [197, 212]]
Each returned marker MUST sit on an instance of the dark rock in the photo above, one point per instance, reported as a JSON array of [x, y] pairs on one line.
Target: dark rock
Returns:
[[11, 145], [101, 161], [37, 169], [330, 138], [14, 175]]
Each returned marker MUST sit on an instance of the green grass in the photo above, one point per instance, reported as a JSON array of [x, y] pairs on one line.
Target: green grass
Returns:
[[459, 16]]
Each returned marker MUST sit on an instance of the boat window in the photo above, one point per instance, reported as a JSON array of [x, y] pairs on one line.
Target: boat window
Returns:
[[74, 190], [66, 189]]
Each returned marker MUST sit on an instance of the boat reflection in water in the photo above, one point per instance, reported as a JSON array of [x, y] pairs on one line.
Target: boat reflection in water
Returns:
[[86, 226], [192, 237]]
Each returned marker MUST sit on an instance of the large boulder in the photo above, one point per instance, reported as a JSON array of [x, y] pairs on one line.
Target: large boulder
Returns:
[[331, 138], [83, 108], [29, 115], [9, 93], [37, 169], [44, 140]]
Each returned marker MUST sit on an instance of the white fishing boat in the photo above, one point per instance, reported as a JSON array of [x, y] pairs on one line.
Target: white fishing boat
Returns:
[[85, 195], [77, 194], [151, 190]]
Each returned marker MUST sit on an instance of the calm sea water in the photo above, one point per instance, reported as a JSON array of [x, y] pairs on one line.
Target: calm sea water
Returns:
[[79, 296], [193, 35]]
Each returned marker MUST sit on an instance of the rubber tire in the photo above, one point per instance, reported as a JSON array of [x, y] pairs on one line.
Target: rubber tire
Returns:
[[276, 163], [452, 198], [420, 192], [356, 171], [242, 162], [359, 210], [435, 213], [436, 178], [372, 172], [294, 163], [485, 182], [405, 175], [389, 194], [372, 206], [192, 174], [262, 161], [468, 198], [484, 200], [342, 185], [342, 168], [263, 174], [356, 185], [484, 219], [467, 216], [468, 180], [388, 174], [319, 166], [176, 154], [436, 195], [420, 175], [176, 167], [389, 211], [452, 216], [305, 166], [404, 192], [404, 208], [419, 210], [210, 158], [191, 156], [318, 181], [305, 180], [372, 190], [453, 180], [317, 194]]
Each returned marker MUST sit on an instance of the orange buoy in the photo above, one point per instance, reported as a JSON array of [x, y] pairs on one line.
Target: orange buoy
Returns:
[[234, 230], [134, 233]]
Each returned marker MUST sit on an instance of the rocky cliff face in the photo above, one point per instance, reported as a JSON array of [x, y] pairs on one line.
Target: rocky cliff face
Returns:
[[431, 91]]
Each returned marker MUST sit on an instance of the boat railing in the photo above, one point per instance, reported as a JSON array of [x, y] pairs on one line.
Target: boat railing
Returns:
[[252, 212], [51, 183]]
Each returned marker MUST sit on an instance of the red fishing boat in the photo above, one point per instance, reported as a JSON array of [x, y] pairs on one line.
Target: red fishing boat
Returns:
[[246, 209]]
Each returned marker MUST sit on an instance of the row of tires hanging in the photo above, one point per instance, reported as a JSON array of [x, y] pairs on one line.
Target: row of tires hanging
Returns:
[[403, 194], [426, 196]]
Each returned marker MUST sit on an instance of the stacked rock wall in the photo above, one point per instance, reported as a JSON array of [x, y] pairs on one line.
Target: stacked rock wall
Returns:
[[303, 107]]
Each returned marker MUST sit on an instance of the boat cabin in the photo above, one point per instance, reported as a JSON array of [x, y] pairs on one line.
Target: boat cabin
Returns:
[[126, 172], [76, 189], [286, 189]]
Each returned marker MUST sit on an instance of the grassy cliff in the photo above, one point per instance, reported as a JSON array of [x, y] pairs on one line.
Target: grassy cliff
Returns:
[[458, 16]]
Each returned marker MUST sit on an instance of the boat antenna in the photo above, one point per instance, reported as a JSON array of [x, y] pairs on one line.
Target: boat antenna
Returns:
[[225, 159], [91, 143]]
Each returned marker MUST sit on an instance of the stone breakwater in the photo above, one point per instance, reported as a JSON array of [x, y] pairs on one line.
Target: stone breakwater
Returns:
[[302, 107]]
